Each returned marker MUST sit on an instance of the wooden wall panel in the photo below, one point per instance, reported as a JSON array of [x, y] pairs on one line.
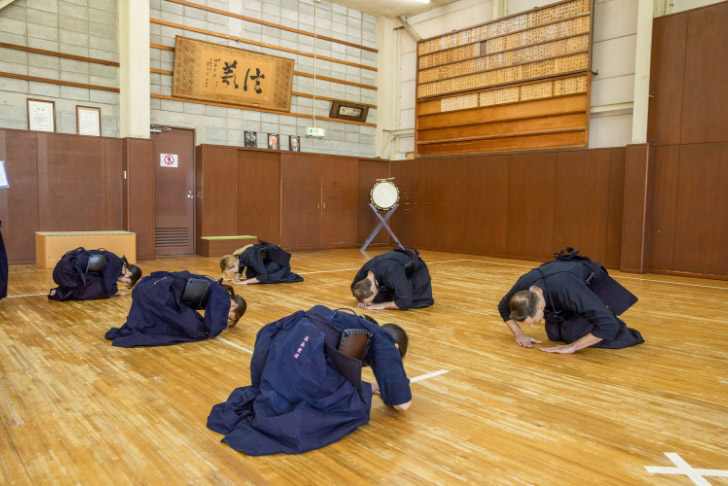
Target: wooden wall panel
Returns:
[[705, 99], [339, 201], [138, 193], [79, 194], [662, 207], [19, 214], [217, 191], [412, 221], [667, 75], [566, 138], [259, 194], [531, 203], [616, 207], [369, 171], [635, 207], [487, 189], [582, 202], [301, 200], [449, 210], [701, 231]]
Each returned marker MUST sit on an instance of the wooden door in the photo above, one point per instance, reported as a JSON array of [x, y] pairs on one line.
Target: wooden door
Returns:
[[338, 202], [174, 190], [301, 201]]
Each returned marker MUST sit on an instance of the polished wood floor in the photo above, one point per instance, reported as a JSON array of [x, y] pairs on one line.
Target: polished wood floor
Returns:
[[77, 411]]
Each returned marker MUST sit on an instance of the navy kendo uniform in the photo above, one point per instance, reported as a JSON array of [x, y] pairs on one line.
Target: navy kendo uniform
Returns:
[[403, 278], [581, 298], [303, 395], [268, 263], [86, 275], [161, 315]]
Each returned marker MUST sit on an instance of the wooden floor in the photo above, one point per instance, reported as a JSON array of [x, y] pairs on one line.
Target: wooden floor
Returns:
[[77, 411]]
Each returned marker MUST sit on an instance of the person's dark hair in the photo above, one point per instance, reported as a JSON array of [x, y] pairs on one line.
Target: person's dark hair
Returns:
[[136, 274], [242, 306], [400, 337], [524, 304], [362, 289]]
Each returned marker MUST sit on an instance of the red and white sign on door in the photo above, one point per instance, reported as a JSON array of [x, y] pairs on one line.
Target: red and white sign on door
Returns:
[[168, 160]]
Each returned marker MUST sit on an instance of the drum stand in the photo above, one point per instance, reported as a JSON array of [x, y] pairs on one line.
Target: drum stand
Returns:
[[382, 222]]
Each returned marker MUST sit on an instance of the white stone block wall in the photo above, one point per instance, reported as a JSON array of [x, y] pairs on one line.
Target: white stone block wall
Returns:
[[225, 126], [85, 28]]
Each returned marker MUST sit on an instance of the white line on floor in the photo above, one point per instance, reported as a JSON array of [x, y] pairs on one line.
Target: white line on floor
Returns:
[[233, 345], [428, 375], [24, 295]]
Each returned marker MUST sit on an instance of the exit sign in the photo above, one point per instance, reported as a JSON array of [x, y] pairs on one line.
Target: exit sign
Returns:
[[315, 132]]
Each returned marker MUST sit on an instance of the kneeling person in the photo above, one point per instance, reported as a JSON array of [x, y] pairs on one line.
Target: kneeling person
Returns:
[[164, 310], [306, 390], [262, 263], [579, 301], [92, 274], [398, 279]]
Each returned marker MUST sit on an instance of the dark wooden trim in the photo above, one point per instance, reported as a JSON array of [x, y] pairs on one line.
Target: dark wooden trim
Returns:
[[271, 24], [284, 113], [56, 81], [507, 135], [663, 271], [306, 95], [256, 43], [58, 54]]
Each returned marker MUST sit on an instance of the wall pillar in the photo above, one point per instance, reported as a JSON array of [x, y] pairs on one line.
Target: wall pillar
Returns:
[[134, 75]]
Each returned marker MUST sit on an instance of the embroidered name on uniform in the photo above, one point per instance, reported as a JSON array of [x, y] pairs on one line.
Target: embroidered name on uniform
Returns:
[[300, 347]]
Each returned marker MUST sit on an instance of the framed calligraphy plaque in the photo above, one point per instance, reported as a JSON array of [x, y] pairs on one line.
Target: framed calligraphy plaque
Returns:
[[211, 72]]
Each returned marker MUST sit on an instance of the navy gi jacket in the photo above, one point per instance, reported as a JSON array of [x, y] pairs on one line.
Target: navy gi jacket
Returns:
[[75, 283], [158, 317], [298, 400], [276, 268]]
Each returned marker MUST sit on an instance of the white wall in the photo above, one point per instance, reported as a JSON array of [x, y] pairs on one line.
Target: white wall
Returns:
[[67, 27]]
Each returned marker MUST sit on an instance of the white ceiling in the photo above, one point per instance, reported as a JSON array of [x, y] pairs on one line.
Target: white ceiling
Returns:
[[393, 8]]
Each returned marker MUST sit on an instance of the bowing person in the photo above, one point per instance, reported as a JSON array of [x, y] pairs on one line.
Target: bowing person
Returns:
[[306, 390], [579, 301], [262, 263], [164, 310], [92, 274], [398, 279]]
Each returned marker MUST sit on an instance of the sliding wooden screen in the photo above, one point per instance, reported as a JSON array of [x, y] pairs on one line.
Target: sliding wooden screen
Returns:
[[520, 82]]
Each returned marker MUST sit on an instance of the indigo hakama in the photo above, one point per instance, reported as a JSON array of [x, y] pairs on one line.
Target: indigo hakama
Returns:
[[403, 278], [75, 280], [159, 317], [581, 298], [298, 399], [3, 267], [268, 263]]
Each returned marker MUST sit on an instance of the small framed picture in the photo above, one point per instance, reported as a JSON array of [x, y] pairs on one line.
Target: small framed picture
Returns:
[[41, 115], [274, 141], [294, 143], [88, 120], [250, 139], [348, 111]]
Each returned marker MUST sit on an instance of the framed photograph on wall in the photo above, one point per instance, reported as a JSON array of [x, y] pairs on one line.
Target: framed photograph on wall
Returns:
[[88, 120], [250, 138], [274, 141], [41, 115], [348, 111], [294, 143]]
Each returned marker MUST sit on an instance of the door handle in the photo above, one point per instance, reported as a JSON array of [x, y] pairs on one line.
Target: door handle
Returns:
[[190, 195]]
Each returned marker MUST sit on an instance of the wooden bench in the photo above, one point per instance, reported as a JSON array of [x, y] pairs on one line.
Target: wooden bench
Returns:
[[217, 246], [50, 246]]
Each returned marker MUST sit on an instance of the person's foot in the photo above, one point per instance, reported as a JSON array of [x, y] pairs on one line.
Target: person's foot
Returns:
[[53, 292]]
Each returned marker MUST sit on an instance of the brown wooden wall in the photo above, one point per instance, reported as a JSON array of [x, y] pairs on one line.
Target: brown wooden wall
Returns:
[[296, 200], [519, 205], [58, 182], [138, 190], [686, 214]]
